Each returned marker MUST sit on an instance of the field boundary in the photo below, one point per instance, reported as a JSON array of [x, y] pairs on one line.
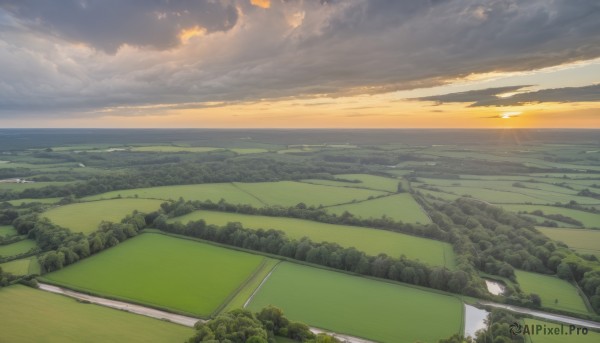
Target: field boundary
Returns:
[[261, 284], [234, 184]]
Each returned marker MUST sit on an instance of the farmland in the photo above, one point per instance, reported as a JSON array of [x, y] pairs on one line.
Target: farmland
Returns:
[[590, 337], [7, 231], [364, 181], [61, 319], [85, 217], [584, 241], [22, 266], [337, 302], [17, 248], [589, 220], [186, 276], [401, 207], [554, 292], [371, 241]]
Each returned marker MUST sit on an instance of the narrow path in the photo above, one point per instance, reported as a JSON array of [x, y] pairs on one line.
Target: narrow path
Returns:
[[120, 305], [260, 286], [545, 315], [235, 185]]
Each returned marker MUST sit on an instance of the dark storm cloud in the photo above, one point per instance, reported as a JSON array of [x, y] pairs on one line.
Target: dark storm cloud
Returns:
[[292, 49], [488, 97], [108, 24]]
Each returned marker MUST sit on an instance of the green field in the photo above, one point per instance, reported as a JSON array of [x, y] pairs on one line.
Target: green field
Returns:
[[207, 191], [584, 241], [61, 319], [366, 181], [371, 241], [172, 148], [7, 231], [163, 271], [591, 337], [551, 288], [252, 285], [22, 266], [19, 202], [400, 207], [85, 217], [589, 220], [17, 248], [17, 187], [358, 306]]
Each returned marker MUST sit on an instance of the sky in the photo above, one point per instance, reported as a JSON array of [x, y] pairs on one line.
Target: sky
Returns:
[[300, 63]]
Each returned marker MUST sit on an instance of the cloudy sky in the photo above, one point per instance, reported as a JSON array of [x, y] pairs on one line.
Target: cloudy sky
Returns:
[[295, 63]]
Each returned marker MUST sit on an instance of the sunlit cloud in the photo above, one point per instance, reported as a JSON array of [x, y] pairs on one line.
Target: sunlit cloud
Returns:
[[508, 115], [261, 3]]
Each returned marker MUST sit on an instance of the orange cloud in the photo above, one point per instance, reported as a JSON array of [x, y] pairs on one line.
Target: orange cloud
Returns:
[[261, 3]]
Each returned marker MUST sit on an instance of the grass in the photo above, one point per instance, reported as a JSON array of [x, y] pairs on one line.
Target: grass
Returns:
[[359, 306], [588, 219], [7, 231], [207, 191], [17, 248], [289, 193], [551, 288], [371, 241], [585, 241], [22, 266], [61, 319], [85, 217], [19, 202], [379, 183], [401, 207], [9, 186], [591, 337], [246, 291], [162, 271], [172, 148]]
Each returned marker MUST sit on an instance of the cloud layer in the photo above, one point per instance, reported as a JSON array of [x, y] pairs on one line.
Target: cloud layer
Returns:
[[87, 55]]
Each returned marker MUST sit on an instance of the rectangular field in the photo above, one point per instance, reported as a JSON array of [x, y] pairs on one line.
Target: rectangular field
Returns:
[[357, 306], [61, 319], [7, 231], [379, 183], [554, 292], [17, 248], [584, 241], [163, 271], [400, 207], [22, 266], [588, 219], [371, 241], [86, 216]]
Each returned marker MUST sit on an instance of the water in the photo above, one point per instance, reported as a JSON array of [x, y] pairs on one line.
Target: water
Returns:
[[494, 287], [474, 320]]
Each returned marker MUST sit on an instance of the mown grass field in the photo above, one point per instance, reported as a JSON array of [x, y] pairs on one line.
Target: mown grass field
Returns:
[[400, 207], [366, 181], [17, 248], [30, 315], [591, 337], [22, 266], [358, 306], [550, 289], [588, 219], [371, 241], [7, 231], [86, 216], [207, 191], [162, 271], [584, 241], [248, 289]]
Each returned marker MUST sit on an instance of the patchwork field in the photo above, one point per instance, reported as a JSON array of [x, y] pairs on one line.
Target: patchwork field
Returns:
[[591, 337], [588, 219], [366, 181], [17, 248], [358, 306], [400, 207], [61, 319], [7, 231], [184, 275], [22, 266], [18, 202], [371, 241], [550, 289], [85, 217], [584, 241], [173, 148]]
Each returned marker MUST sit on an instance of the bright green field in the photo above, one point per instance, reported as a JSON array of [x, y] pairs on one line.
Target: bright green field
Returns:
[[245, 292], [207, 191], [358, 306], [289, 193], [162, 271], [366, 181], [7, 231], [61, 319], [371, 241], [86, 216], [17, 248], [22, 266], [589, 220], [585, 241], [400, 207], [550, 288], [18, 202], [591, 337]]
